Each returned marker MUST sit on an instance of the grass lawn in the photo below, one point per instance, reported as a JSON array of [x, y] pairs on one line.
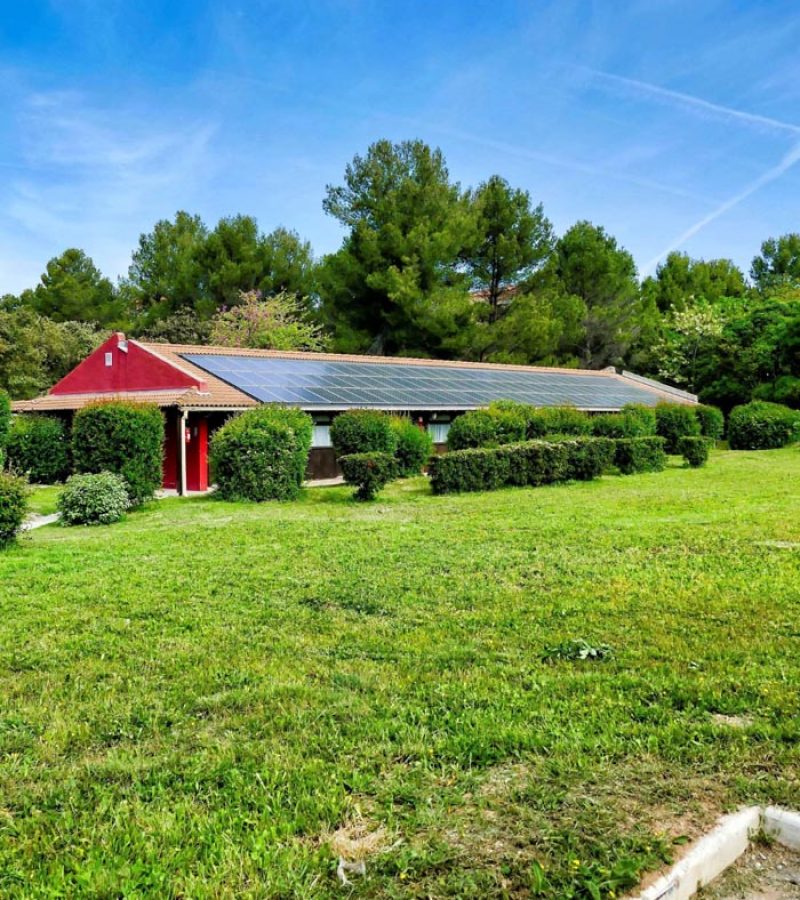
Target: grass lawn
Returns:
[[215, 699], [43, 498]]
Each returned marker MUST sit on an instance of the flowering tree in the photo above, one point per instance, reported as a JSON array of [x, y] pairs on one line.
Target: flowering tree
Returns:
[[688, 335], [267, 323]]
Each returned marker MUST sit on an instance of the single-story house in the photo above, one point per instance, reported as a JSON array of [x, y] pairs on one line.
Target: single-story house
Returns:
[[199, 387]]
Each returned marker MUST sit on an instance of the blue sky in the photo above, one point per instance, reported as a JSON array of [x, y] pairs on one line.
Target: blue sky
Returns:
[[674, 124]]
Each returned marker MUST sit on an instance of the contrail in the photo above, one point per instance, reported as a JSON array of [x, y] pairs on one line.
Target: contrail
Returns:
[[696, 103], [558, 161], [789, 160]]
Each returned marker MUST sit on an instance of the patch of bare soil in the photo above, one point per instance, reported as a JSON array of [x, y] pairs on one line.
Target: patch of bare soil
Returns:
[[762, 873]]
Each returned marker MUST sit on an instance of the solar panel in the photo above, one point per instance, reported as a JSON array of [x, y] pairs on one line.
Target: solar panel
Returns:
[[339, 384]]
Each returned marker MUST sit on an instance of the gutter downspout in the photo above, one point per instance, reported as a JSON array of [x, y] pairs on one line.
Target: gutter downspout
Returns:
[[182, 444]]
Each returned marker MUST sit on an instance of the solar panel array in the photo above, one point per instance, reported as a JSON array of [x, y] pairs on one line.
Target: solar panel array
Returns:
[[331, 384]]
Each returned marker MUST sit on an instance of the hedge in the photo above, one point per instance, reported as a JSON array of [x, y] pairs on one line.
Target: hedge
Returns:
[[530, 463], [762, 426], [13, 506], [93, 499], [361, 431], [694, 450], [632, 421], [711, 421], [124, 438], [38, 448], [674, 421], [589, 457], [414, 446], [564, 420], [368, 472], [643, 454], [262, 454], [477, 428], [5, 422]]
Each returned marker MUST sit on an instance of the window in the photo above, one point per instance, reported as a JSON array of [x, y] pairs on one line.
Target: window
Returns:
[[438, 431], [322, 436], [109, 359]]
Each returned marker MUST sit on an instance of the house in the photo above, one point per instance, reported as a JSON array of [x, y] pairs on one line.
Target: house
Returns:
[[199, 387]]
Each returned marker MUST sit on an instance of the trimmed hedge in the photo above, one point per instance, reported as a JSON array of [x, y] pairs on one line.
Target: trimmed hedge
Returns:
[[762, 426], [362, 431], [674, 421], [262, 454], [711, 420], [414, 446], [124, 438], [93, 499], [514, 421], [13, 506], [5, 422], [476, 428], [38, 448], [643, 454], [564, 420], [530, 463], [632, 421], [368, 472], [694, 450], [589, 457]]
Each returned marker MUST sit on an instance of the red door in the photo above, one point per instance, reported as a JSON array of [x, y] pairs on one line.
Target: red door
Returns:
[[196, 438]]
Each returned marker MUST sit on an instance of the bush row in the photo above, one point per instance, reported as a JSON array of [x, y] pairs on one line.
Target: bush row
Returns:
[[507, 422], [530, 463], [38, 447]]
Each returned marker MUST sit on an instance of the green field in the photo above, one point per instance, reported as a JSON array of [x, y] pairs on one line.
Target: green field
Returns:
[[214, 699]]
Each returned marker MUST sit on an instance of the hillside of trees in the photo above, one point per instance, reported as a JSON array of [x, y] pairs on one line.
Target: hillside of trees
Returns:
[[426, 268]]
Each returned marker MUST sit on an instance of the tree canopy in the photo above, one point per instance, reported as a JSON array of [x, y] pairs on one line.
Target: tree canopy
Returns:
[[425, 268]]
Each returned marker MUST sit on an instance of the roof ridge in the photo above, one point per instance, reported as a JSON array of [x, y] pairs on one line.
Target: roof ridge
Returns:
[[216, 350]]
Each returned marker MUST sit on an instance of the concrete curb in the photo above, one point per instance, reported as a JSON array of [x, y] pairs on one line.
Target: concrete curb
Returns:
[[709, 857], [37, 521], [783, 825]]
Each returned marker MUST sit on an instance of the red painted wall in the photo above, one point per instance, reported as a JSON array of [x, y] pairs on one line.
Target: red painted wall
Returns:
[[135, 370]]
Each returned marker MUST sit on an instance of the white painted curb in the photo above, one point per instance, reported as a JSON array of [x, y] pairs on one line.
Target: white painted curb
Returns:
[[709, 857], [783, 825]]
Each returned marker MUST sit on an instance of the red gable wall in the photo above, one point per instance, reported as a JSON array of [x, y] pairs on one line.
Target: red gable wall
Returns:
[[136, 369]]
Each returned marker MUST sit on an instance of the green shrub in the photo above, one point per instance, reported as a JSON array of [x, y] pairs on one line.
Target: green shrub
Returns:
[[762, 426], [694, 450], [369, 473], [477, 428], [588, 457], [124, 438], [302, 425], [13, 506], [362, 431], [414, 446], [564, 420], [261, 454], [645, 416], [674, 421], [784, 390], [38, 448], [473, 469], [512, 420], [711, 420], [98, 499], [643, 454], [5, 422], [531, 463]]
